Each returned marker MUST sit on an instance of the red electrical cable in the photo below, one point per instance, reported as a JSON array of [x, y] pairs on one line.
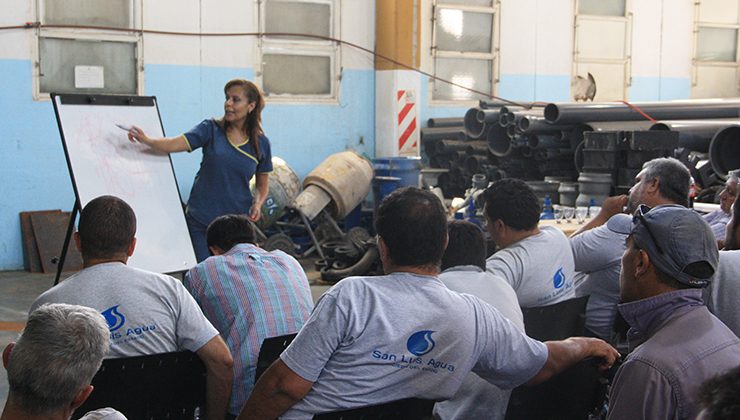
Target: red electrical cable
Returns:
[[641, 112]]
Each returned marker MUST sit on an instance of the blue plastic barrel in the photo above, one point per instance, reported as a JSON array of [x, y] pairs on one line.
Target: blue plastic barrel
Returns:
[[407, 168], [384, 185]]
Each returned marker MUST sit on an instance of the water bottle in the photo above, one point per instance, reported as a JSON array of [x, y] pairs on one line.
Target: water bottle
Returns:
[[547, 212]]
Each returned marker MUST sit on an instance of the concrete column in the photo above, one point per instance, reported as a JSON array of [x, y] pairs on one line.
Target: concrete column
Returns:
[[397, 89]]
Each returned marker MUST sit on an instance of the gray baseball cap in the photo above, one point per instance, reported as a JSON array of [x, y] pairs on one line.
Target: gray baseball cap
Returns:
[[678, 241]]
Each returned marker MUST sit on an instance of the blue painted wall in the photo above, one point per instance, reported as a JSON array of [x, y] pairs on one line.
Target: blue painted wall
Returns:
[[659, 88], [34, 170]]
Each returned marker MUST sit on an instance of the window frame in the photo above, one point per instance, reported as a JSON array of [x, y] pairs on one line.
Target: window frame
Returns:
[[134, 37], [307, 47], [493, 56]]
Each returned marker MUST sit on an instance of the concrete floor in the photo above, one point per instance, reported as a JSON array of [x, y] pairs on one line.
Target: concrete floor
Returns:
[[18, 290]]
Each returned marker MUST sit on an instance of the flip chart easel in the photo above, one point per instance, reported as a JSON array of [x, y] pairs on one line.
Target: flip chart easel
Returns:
[[102, 161]]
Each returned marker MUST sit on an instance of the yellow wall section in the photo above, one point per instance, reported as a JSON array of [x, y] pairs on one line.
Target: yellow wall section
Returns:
[[395, 32]]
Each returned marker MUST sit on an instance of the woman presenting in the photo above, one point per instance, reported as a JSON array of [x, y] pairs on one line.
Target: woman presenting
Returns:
[[234, 149]]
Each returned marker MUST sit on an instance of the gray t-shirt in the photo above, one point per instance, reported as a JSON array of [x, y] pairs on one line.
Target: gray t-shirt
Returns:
[[539, 268], [372, 340], [147, 313], [476, 398], [598, 254], [722, 296]]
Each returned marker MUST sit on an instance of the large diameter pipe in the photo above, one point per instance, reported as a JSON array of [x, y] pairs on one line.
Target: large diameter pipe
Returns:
[[475, 129], [695, 134], [570, 113], [445, 122], [446, 146], [499, 142], [488, 116], [724, 150]]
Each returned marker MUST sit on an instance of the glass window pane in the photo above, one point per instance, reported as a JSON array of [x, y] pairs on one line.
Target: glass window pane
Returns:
[[716, 44], [475, 74], [296, 74], [602, 7], [464, 31], [468, 2], [298, 17], [115, 13], [58, 58]]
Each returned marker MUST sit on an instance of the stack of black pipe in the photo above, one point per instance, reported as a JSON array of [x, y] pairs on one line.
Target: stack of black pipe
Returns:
[[535, 140]]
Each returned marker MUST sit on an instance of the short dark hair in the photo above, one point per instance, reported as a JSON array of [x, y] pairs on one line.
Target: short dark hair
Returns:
[[720, 396], [465, 245], [514, 202], [229, 230], [413, 225], [107, 227], [673, 177]]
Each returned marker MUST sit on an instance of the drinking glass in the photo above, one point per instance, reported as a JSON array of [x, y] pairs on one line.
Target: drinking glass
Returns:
[[581, 213]]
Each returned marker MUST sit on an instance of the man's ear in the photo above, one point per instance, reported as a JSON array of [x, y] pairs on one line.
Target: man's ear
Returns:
[[80, 397], [6, 354], [215, 250], [131, 247], [653, 187], [78, 243], [643, 264]]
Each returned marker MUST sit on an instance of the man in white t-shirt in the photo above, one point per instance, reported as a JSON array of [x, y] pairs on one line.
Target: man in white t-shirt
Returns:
[[597, 250], [147, 313], [536, 262], [372, 340], [464, 271]]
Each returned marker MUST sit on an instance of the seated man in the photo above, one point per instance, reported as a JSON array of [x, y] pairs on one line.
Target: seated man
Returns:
[[372, 340], [723, 293], [597, 250], [718, 219], [147, 313], [676, 343], [249, 294], [464, 271], [536, 262], [53, 362]]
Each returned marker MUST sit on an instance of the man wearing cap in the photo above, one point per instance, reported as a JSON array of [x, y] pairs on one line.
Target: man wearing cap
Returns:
[[676, 343], [597, 250]]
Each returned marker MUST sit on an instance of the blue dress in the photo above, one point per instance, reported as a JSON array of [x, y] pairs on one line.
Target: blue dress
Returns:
[[221, 185]]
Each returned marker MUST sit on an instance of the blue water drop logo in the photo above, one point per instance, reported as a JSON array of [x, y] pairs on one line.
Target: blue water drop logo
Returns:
[[558, 280], [420, 342], [114, 318]]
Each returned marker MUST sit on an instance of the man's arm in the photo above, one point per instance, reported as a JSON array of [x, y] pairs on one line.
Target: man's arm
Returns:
[[563, 354], [219, 376], [277, 390], [610, 207]]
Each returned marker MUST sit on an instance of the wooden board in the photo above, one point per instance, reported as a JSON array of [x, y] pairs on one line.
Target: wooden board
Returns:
[[31, 258], [49, 230]]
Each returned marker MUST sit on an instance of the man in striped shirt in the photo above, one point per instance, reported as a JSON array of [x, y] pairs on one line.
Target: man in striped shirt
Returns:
[[248, 294]]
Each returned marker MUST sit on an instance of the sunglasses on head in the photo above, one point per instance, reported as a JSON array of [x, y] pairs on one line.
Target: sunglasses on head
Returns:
[[639, 216]]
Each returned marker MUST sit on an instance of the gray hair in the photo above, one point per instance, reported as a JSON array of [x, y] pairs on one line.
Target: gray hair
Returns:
[[674, 179], [56, 356]]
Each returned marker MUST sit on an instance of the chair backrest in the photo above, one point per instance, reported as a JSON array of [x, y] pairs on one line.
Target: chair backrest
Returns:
[[270, 351], [160, 386], [407, 409], [557, 321], [575, 392]]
